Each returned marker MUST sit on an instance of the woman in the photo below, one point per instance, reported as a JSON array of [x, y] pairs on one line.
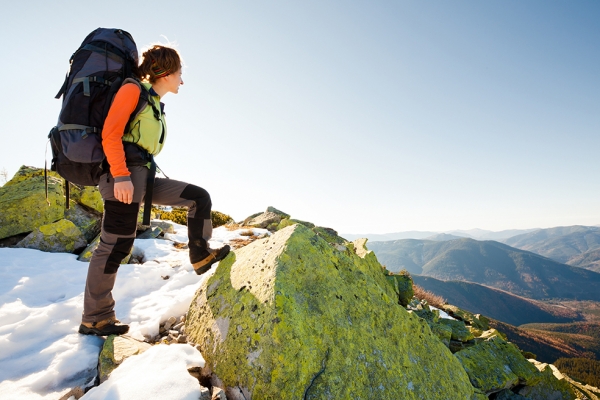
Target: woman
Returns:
[[129, 145]]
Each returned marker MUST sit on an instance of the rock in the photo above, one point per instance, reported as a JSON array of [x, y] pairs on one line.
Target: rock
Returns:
[[23, 205], [553, 385], [263, 220], [509, 395], [476, 320], [459, 330], [276, 211], [88, 196], [289, 317], [86, 254], [115, 350], [88, 222], [166, 226], [218, 394], [289, 222], [330, 235], [494, 365], [150, 233], [443, 332], [403, 284], [58, 237], [169, 323], [204, 393]]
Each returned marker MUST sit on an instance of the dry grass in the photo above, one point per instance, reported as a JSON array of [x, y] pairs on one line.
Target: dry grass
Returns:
[[431, 298]]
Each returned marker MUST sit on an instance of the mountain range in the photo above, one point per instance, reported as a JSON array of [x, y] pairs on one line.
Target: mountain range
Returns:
[[479, 234], [490, 263], [574, 245]]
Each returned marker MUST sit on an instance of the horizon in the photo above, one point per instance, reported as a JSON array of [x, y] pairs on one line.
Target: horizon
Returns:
[[363, 117]]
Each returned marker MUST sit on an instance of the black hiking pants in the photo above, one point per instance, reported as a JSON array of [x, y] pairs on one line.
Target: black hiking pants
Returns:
[[119, 229]]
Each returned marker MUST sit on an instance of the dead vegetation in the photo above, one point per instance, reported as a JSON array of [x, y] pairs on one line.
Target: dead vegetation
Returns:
[[431, 298]]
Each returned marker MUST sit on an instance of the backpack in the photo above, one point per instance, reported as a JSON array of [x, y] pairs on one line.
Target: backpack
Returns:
[[104, 62], [99, 67]]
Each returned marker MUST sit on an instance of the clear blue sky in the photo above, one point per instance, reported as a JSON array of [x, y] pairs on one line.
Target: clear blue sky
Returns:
[[368, 117]]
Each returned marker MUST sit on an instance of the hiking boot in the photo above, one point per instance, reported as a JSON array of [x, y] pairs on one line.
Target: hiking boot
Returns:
[[110, 326], [215, 256]]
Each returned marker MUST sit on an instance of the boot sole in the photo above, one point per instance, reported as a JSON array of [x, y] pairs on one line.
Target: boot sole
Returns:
[[84, 330]]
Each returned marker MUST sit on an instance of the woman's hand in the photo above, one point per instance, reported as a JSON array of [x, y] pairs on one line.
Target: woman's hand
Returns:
[[124, 191]]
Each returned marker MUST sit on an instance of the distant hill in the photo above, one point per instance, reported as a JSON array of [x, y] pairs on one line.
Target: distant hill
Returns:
[[442, 237], [492, 264], [550, 346], [495, 303], [574, 245], [382, 237], [479, 234]]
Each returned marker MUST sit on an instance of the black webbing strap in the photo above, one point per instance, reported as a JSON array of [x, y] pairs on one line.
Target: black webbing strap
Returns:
[[107, 53], [149, 190], [67, 194]]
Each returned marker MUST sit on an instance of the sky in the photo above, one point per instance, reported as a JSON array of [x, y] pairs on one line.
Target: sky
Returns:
[[367, 117]]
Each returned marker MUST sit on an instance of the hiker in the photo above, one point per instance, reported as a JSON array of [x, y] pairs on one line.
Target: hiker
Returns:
[[128, 149]]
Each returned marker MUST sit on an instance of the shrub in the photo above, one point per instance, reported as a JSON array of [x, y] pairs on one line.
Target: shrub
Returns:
[[179, 216], [431, 298]]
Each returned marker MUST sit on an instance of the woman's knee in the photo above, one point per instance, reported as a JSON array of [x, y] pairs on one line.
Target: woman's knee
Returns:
[[201, 198]]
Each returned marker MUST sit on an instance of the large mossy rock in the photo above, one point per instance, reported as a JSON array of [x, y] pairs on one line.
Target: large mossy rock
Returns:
[[23, 205], [292, 317], [494, 365], [88, 221], [58, 237], [552, 386]]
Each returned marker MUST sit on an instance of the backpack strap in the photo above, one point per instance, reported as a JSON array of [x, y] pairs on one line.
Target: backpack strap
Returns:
[[86, 83], [149, 190]]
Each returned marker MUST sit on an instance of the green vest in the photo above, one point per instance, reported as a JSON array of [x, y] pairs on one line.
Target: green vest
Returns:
[[145, 130]]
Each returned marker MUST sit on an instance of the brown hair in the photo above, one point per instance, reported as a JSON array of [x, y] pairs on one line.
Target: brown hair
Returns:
[[158, 61]]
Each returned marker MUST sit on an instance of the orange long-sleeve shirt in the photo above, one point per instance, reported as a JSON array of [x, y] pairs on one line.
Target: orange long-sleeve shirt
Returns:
[[123, 105]]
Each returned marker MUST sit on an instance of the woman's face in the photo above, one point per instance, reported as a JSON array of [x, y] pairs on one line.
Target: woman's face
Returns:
[[174, 81]]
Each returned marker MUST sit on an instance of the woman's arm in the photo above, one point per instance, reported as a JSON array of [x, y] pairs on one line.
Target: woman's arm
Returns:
[[123, 105]]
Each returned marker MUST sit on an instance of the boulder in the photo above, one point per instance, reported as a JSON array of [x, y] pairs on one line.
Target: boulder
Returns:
[[403, 284], [88, 196], [507, 394], [494, 365], [475, 320], [23, 205], [115, 350], [290, 317], [88, 221], [459, 330], [276, 211], [58, 237], [86, 254], [552, 386], [263, 220], [165, 226]]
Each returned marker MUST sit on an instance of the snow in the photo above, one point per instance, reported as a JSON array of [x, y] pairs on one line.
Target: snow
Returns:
[[41, 299]]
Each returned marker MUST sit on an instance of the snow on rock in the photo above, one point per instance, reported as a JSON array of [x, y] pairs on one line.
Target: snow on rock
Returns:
[[41, 300], [159, 373]]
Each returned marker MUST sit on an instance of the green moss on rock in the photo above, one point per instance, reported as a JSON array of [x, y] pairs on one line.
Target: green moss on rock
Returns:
[[58, 237], [494, 365], [290, 317], [23, 205], [403, 285], [459, 331]]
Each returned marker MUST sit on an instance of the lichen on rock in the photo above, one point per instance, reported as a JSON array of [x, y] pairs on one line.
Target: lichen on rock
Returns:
[[290, 317], [494, 365], [58, 237], [23, 204]]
